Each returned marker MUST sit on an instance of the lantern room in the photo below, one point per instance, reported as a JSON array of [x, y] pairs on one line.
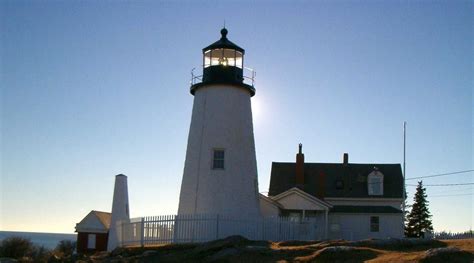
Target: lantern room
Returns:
[[223, 53], [223, 63]]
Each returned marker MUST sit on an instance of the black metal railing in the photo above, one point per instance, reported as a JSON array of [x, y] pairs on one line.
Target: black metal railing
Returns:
[[248, 77]]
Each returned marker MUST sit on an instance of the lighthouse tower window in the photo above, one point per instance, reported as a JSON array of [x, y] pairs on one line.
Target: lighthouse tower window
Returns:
[[218, 160]]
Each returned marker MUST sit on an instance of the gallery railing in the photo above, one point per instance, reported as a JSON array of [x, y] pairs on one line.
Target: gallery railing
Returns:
[[248, 76]]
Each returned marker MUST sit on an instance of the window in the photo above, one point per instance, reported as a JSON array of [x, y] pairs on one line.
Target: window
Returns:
[[216, 56], [218, 160], [339, 184], [223, 57], [335, 227], [207, 59], [91, 241], [229, 55], [239, 59], [374, 224], [375, 183], [294, 217]]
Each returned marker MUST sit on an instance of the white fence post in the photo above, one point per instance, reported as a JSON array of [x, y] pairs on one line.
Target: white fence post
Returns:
[[142, 232], [217, 226], [122, 223]]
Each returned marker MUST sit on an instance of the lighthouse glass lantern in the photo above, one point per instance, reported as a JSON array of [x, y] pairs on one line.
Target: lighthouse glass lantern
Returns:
[[223, 57], [223, 63]]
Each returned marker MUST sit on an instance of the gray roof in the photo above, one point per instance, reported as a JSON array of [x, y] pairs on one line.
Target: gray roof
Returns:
[[353, 177], [89, 222], [104, 217]]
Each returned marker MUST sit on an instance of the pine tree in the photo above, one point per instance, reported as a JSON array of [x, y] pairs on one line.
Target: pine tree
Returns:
[[419, 218], [405, 215]]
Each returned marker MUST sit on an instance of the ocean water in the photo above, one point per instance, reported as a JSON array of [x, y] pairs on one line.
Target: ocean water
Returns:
[[48, 240]]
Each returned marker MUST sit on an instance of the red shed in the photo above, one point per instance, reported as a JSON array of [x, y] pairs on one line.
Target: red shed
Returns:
[[93, 232]]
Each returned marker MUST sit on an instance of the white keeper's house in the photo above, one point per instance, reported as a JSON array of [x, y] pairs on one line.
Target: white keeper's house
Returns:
[[347, 200]]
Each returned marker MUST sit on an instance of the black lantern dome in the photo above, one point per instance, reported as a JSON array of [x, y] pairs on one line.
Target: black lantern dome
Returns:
[[223, 63]]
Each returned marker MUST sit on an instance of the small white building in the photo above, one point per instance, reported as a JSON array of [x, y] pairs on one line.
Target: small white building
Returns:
[[347, 200], [93, 232]]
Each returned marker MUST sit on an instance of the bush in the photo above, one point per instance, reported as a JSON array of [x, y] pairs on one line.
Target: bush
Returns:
[[66, 247], [16, 247], [40, 254], [23, 249]]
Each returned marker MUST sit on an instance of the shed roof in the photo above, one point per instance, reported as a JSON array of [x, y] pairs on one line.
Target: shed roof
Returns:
[[104, 217], [352, 175], [94, 221]]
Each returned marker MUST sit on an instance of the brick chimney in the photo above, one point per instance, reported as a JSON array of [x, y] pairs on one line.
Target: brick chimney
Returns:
[[320, 192], [300, 168], [345, 160]]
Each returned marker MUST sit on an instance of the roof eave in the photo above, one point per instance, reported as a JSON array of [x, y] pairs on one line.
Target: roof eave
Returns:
[[304, 194], [223, 44], [270, 201]]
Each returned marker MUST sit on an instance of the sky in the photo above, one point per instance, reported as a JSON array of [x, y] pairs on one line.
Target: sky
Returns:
[[91, 89]]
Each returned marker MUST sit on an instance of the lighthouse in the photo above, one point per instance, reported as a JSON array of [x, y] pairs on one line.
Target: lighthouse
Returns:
[[220, 170]]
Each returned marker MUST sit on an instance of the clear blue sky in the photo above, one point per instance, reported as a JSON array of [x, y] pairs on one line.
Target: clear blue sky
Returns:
[[90, 89]]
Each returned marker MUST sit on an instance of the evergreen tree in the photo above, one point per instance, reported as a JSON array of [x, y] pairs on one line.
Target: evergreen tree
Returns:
[[405, 215], [419, 218]]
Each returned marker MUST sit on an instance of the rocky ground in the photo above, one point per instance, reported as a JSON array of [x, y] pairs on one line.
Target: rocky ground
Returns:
[[239, 249]]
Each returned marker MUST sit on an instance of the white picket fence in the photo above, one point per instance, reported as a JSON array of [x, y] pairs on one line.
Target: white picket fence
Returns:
[[151, 230], [450, 235]]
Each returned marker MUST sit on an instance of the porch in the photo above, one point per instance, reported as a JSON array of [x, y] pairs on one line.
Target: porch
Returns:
[[300, 206]]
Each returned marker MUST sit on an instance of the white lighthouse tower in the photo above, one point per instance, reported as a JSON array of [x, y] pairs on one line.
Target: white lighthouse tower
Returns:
[[220, 171]]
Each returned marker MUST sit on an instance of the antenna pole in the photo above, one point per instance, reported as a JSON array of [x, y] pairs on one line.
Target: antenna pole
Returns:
[[404, 168], [404, 150]]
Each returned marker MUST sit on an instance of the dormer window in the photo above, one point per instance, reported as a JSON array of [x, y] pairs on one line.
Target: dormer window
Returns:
[[375, 182], [339, 184]]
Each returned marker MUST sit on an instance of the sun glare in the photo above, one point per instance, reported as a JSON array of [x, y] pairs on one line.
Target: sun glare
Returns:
[[256, 108]]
